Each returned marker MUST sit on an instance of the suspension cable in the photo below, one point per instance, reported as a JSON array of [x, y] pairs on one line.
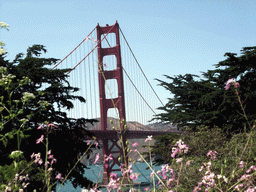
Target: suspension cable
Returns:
[[91, 50], [74, 49], [139, 92], [140, 67]]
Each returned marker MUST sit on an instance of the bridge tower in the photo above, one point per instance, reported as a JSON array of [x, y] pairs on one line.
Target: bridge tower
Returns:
[[110, 143]]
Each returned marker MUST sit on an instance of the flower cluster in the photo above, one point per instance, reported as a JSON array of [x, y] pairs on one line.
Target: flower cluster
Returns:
[[114, 182], [129, 172], [246, 181], [212, 154], [37, 158], [168, 175], [18, 179], [234, 83], [208, 178], [107, 158], [179, 148], [149, 138]]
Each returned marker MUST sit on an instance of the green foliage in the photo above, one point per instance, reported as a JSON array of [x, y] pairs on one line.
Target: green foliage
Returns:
[[206, 102], [200, 143], [2, 44], [162, 149], [26, 104]]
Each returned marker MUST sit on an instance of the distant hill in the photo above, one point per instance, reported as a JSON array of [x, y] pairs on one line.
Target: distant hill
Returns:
[[131, 125]]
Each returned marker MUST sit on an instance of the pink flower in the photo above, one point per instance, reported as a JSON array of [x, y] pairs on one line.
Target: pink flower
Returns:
[[40, 127], [96, 158], [51, 125], [134, 176], [96, 143], [113, 183], [149, 138], [53, 160], [110, 157], [241, 164], [212, 154], [40, 161], [135, 144], [176, 151], [33, 154], [50, 157], [188, 162], [235, 84], [229, 81], [40, 139], [59, 176]]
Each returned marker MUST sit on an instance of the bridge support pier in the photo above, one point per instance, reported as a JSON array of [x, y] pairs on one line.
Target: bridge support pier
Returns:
[[106, 104]]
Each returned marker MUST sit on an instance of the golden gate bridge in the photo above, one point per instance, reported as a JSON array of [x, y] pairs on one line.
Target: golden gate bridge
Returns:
[[110, 78]]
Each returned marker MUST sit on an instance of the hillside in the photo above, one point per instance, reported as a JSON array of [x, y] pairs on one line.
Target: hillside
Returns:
[[131, 125]]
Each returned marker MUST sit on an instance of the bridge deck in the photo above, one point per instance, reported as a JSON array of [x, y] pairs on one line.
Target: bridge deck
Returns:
[[113, 134]]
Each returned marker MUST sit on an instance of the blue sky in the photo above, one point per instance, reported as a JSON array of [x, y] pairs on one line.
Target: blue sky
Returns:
[[169, 37]]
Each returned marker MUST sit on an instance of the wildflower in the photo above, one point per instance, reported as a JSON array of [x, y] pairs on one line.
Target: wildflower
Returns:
[[189, 162], [134, 176], [15, 154], [235, 84], [4, 25], [237, 187], [179, 160], [212, 154], [149, 138], [40, 161], [152, 173], [179, 148], [146, 189], [40, 127], [96, 143], [113, 183], [59, 176], [50, 169], [241, 164], [110, 157], [16, 177], [53, 160], [125, 170], [251, 168], [51, 125], [135, 144], [96, 158], [24, 185], [202, 167], [37, 156], [50, 157], [176, 151], [40, 139]]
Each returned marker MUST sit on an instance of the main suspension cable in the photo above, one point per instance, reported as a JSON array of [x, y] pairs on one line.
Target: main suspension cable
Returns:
[[140, 67]]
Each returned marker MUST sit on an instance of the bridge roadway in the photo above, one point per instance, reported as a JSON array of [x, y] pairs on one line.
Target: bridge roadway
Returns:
[[128, 134]]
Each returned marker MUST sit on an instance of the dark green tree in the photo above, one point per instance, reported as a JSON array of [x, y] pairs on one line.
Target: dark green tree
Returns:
[[66, 141], [205, 101]]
